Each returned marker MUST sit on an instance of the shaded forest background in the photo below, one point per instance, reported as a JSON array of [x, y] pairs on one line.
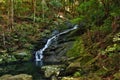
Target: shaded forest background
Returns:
[[24, 22]]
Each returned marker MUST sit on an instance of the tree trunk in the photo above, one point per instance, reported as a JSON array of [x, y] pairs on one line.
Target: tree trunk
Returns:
[[3, 38], [43, 7], [34, 10], [11, 15]]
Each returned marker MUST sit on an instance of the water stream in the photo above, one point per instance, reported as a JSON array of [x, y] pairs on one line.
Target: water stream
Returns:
[[39, 53]]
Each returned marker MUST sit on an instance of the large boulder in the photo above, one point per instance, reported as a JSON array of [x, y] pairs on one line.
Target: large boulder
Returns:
[[51, 70], [71, 78], [16, 77]]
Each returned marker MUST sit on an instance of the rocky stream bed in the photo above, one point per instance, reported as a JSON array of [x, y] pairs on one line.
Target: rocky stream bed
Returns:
[[55, 65]]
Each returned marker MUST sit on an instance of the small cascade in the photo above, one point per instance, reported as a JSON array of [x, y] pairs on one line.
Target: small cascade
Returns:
[[39, 53]]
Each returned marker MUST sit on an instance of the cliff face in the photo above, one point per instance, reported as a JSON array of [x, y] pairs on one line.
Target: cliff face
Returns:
[[56, 52]]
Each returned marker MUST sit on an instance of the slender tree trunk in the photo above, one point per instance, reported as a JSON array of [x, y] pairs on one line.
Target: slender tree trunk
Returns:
[[43, 8], [64, 7], [11, 16], [106, 7], [8, 14], [3, 35], [3, 38], [34, 10]]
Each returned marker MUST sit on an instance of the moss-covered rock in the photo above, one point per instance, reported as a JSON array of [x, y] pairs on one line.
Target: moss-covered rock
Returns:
[[16, 77], [73, 67], [71, 78], [51, 70]]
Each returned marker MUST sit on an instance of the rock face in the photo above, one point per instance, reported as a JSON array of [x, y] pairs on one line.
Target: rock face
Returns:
[[56, 52], [16, 77]]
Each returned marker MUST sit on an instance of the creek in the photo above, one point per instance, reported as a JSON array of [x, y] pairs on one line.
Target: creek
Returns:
[[34, 67]]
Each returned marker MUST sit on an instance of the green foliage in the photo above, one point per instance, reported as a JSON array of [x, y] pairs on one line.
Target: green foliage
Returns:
[[91, 10], [113, 48], [21, 8], [55, 3], [103, 29], [115, 10], [116, 37], [78, 49], [97, 49], [6, 58], [77, 74], [22, 38], [78, 20]]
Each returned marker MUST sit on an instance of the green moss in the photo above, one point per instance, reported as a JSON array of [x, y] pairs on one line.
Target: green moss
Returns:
[[77, 49], [77, 74]]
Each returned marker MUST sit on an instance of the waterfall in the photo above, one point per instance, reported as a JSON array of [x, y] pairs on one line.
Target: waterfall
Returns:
[[39, 53]]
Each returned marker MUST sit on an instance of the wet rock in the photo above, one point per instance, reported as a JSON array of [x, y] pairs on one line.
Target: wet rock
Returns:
[[40, 43], [71, 78], [54, 77], [72, 67], [16, 77], [52, 59], [5, 77], [55, 32], [51, 70], [57, 54], [68, 24]]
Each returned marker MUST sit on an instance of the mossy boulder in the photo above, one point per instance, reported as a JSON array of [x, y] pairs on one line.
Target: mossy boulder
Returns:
[[71, 78], [51, 70], [16, 77]]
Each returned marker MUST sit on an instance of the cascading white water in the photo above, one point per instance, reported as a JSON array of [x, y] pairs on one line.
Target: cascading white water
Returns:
[[39, 53]]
